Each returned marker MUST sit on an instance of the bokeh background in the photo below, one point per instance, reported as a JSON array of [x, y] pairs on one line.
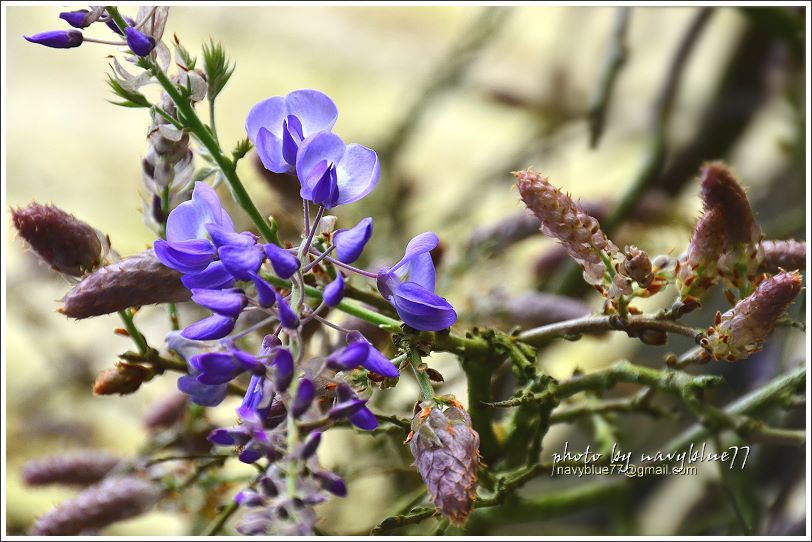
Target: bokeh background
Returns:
[[453, 98]]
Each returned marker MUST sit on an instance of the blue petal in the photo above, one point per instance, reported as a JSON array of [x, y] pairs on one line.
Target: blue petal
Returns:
[[266, 295], [223, 236], [422, 309], [350, 356], [202, 394], [305, 392], [321, 185], [358, 172], [320, 147], [291, 138], [77, 19], [268, 114], [332, 482], [139, 43], [421, 271], [287, 317], [350, 243], [364, 419], [248, 363], [215, 277], [250, 454], [228, 436], [310, 445], [241, 261], [269, 150], [282, 369], [190, 256], [378, 363], [334, 292], [188, 220], [314, 109], [419, 244], [284, 263], [346, 408], [215, 368], [213, 327], [227, 303]]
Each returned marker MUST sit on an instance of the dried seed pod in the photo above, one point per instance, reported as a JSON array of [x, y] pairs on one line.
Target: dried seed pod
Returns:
[[79, 468], [563, 219], [446, 453], [112, 500], [783, 255], [743, 329], [122, 379], [63, 241], [132, 282], [166, 411], [696, 269]]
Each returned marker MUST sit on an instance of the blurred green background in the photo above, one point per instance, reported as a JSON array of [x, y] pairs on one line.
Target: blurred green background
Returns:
[[519, 100]]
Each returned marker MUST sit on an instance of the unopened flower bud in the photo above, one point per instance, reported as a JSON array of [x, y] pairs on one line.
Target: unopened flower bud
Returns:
[[114, 499], [122, 379], [638, 266], [743, 329], [783, 255], [77, 19], [57, 39], [696, 269], [563, 219], [446, 452], [66, 243], [79, 468], [139, 43], [135, 281]]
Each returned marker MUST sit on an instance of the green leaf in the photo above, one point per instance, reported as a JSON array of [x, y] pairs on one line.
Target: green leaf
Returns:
[[183, 56], [130, 98], [241, 149], [217, 66]]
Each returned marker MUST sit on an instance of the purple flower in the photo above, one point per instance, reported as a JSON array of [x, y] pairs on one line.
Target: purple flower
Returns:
[[213, 327], [266, 295], [202, 394], [287, 317], [334, 292], [224, 302], [242, 261], [349, 405], [214, 277], [187, 247], [331, 482], [332, 173], [139, 43], [311, 444], [282, 369], [283, 262], [305, 392], [223, 367], [414, 300], [57, 39], [278, 126], [350, 243], [111, 24], [360, 352], [77, 19]]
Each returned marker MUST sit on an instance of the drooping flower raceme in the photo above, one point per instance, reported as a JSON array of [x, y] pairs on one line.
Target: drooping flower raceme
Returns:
[[409, 287]]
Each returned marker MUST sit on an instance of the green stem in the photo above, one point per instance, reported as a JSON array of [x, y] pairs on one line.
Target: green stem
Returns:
[[426, 390], [132, 331]]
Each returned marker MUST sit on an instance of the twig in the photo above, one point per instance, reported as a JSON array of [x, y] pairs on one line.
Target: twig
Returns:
[[616, 54], [599, 324]]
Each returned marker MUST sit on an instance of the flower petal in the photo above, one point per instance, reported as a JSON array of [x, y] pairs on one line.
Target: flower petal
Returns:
[[419, 244], [268, 114], [421, 308], [284, 263], [287, 317], [190, 256], [223, 236], [241, 261], [350, 243], [282, 369], [213, 327], [202, 394], [421, 271], [378, 363], [269, 150], [314, 109], [358, 172], [225, 302], [266, 295], [334, 292], [364, 419], [215, 277], [322, 146], [305, 392]]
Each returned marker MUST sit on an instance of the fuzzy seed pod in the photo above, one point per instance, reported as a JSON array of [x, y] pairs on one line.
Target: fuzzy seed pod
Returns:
[[743, 329], [446, 453], [741, 254], [166, 411], [696, 269], [786, 255], [564, 220], [637, 265], [114, 499], [80, 468], [132, 282], [123, 379], [66, 243]]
